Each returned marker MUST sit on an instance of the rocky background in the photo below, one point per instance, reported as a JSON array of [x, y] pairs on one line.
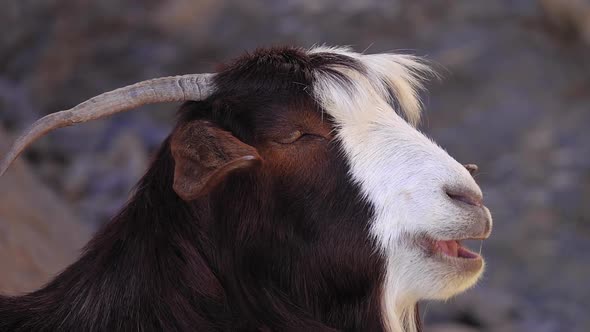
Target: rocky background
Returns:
[[514, 98]]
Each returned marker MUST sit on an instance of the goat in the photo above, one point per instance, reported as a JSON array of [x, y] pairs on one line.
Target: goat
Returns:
[[293, 194]]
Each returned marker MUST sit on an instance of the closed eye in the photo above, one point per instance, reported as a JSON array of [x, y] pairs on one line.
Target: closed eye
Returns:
[[296, 136]]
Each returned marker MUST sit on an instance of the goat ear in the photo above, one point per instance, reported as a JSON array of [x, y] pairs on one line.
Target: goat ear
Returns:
[[204, 155]]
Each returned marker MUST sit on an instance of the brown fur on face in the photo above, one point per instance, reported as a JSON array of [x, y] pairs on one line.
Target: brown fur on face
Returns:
[[238, 224]]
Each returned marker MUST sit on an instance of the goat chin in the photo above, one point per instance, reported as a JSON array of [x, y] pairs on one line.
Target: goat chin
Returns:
[[294, 194]]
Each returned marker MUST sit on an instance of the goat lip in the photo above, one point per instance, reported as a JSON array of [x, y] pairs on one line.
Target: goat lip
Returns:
[[449, 249], [454, 249]]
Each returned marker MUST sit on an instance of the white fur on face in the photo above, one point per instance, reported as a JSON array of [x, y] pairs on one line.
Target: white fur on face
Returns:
[[403, 174]]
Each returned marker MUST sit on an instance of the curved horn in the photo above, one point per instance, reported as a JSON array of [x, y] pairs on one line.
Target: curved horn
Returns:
[[165, 89]]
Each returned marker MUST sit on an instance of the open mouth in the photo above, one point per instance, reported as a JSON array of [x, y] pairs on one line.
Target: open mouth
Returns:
[[453, 248], [448, 248]]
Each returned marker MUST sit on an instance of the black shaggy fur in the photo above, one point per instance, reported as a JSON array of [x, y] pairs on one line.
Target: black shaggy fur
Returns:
[[283, 246]]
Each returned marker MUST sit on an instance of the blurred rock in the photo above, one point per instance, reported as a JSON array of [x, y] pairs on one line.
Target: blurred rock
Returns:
[[450, 328], [99, 182], [17, 104], [483, 309], [570, 17], [514, 99], [39, 234]]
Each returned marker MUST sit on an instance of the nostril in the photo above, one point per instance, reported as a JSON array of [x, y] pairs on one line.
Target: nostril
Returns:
[[466, 197], [471, 168]]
